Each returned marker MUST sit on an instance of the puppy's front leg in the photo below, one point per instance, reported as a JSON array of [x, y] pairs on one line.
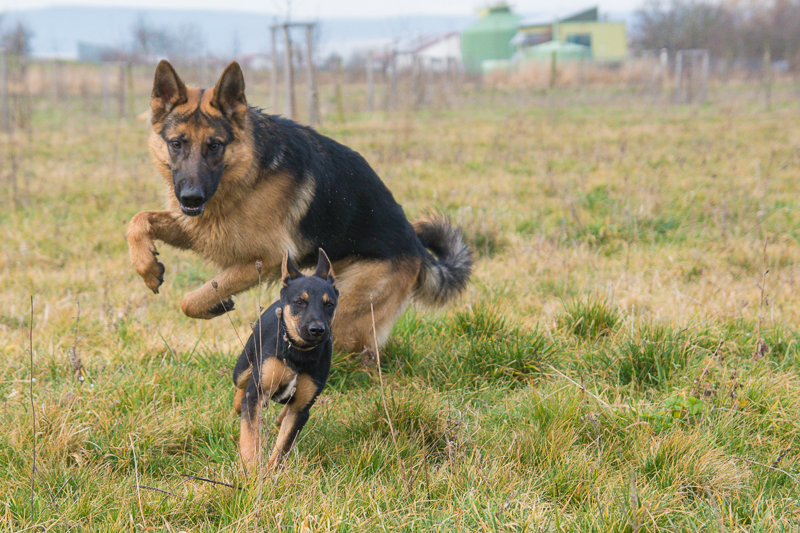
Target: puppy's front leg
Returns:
[[293, 418], [264, 381], [250, 419], [144, 228], [209, 301]]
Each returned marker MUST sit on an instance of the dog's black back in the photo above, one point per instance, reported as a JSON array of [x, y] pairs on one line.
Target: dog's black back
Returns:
[[288, 357], [364, 221]]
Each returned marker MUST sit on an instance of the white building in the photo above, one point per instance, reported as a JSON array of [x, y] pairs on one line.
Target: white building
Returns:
[[438, 53]]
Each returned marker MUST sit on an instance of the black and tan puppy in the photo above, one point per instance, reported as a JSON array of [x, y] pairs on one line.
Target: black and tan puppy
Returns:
[[287, 358]]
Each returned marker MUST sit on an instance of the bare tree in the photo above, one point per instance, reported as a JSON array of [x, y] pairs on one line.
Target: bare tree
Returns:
[[150, 42], [683, 25], [745, 29], [18, 41], [189, 44]]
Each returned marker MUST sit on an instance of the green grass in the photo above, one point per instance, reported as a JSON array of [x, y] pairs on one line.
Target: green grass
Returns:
[[599, 374]]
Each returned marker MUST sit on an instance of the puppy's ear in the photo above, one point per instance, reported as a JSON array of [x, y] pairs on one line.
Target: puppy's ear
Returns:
[[288, 271], [324, 268], [168, 92], [229, 92]]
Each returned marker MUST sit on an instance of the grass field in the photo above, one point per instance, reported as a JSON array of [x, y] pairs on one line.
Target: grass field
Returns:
[[603, 371]]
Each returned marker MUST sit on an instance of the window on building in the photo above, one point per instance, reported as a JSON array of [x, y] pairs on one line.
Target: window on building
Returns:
[[580, 38]]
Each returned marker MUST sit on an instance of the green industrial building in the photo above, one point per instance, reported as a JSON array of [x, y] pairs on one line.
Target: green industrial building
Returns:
[[489, 38], [605, 42]]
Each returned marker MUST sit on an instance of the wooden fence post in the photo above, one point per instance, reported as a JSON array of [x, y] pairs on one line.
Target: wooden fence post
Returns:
[[121, 91], [131, 105], [393, 91], [273, 75], [313, 118], [370, 84], [768, 77], [338, 91], [676, 97], [289, 73], [4, 82], [106, 92]]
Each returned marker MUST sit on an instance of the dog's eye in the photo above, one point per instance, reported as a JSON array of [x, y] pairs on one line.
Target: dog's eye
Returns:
[[175, 144], [300, 302], [214, 146], [329, 304]]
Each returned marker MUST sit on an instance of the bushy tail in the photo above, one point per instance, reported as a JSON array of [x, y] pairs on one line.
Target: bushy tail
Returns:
[[443, 277]]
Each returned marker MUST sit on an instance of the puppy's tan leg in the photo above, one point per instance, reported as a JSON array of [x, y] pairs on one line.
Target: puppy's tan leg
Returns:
[[241, 387], [250, 421], [273, 375], [205, 302], [389, 283], [281, 415], [293, 417], [143, 229]]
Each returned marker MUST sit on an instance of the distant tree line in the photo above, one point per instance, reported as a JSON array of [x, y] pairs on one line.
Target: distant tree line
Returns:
[[730, 29], [17, 40], [151, 43]]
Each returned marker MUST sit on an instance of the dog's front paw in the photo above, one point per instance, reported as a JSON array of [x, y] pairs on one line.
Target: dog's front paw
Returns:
[[148, 267], [142, 252], [155, 274]]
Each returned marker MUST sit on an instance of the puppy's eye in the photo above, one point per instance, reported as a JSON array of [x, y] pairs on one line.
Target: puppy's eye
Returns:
[[300, 302], [175, 143], [329, 304], [214, 146]]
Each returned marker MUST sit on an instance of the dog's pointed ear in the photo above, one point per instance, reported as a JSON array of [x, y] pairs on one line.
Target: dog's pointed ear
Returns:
[[289, 272], [229, 92], [168, 92], [324, 268]]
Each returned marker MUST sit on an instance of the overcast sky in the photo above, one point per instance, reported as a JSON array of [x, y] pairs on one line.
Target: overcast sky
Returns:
[[322, 9]]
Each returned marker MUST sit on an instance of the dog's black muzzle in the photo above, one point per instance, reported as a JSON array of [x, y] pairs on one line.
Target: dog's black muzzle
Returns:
[[192, 200]]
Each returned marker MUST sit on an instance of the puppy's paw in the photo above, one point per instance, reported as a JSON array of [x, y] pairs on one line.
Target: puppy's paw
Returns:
[[275, 460]]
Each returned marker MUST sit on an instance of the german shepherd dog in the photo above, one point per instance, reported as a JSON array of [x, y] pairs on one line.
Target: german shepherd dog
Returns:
[[287, 358], [242, 186]]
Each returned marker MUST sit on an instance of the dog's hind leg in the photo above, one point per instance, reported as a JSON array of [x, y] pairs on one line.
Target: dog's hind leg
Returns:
[[376, 288]]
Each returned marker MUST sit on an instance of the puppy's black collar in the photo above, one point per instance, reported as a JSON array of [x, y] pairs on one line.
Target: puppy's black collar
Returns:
[[289, 342]]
